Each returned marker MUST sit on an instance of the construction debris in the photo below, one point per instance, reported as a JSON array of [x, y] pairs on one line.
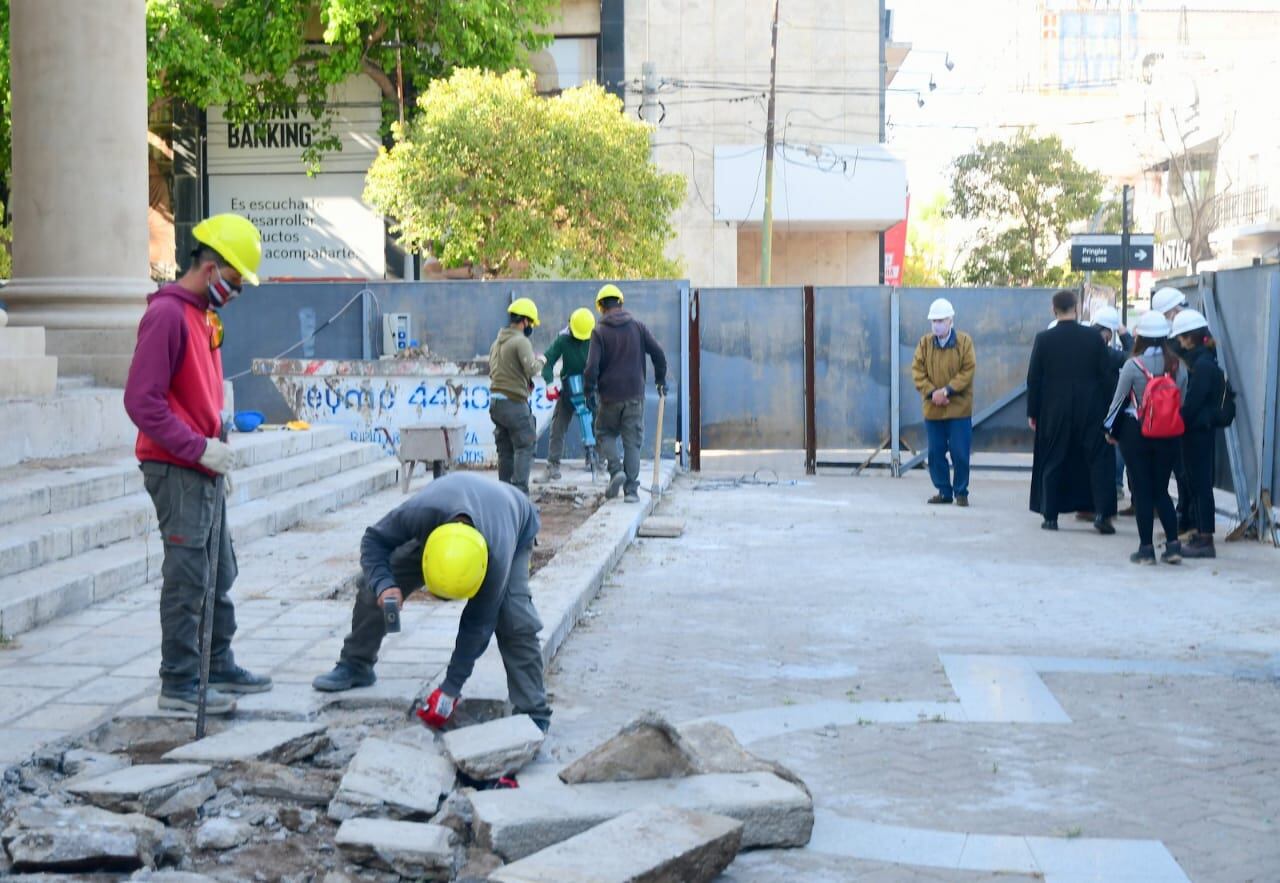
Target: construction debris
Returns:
[[411, 849], [495, 749], [222, 833], [392, 779], [80, 838], [644, 846], [305, 786], [660, 527], [158, 790], [277, 741], [89, 764]]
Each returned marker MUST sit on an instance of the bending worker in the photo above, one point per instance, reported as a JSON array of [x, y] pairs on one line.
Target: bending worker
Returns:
[[464, 537], [570, 348], [512, 367]]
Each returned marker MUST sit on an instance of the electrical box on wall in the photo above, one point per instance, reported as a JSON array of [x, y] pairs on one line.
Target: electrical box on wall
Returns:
[[395, 333]]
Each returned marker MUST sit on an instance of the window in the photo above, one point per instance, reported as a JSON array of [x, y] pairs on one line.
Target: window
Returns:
[[567, 62]]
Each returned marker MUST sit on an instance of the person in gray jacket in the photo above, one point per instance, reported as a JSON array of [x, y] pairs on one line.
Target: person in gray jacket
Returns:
[[463, 537], [1150, 461]]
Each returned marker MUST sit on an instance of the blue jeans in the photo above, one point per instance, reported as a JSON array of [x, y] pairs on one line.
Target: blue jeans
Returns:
[[955, 437]]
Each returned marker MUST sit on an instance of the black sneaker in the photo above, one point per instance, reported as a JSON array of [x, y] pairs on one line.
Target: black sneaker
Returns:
[[1103, 526], [962, 500], [631, 497], [238, 680], [615, 485], [1172, 553], [1049, 524], [1144, 555], [343, 677], [188, 699], [939, 500]]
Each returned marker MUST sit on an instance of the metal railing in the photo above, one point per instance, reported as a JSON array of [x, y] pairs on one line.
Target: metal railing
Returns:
[[1247, 206]]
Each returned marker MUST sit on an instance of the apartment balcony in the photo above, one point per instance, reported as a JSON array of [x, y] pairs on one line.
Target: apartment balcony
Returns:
[[1246, 207]]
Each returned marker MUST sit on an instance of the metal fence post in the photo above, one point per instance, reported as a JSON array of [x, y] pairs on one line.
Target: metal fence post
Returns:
[[1239, 483], [810, 386], [895, 392], [695, 383], [682, 419]]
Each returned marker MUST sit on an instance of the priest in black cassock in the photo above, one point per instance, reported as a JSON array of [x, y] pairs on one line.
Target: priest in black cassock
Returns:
[[1067, 394]]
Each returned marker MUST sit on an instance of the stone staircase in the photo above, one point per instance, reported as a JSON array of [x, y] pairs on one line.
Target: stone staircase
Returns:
[[79, 530]]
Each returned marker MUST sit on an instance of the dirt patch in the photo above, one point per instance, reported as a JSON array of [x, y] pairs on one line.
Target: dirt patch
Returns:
[[562, 512]]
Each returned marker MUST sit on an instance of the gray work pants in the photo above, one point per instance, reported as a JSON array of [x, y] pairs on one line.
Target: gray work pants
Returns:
[[561, 419], [515, 434], [625, 420], [185, 508], [516, 629]]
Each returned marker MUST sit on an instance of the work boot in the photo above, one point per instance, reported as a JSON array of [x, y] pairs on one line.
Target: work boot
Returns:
[[631, 497], [939, 500], [1172, 553], [1049, 524], [553, 472], [962, 500], [343, 677], [1144, 555], [615, 485], [1103, 526], [187, 698], [1200, 547], [238, 680]]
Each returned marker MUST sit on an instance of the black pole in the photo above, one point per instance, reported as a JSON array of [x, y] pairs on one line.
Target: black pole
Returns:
[[1124, 255]]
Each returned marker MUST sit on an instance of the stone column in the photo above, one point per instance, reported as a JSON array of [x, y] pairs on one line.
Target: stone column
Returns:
[[80, 188]]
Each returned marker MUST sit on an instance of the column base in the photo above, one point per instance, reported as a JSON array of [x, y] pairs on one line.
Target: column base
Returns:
[[103, 353], [25, 370]]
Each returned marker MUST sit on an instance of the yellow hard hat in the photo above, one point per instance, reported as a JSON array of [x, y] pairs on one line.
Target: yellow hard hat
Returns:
[[236, 239], [526, 308], [582, 323], [609, 290], [454, 561]]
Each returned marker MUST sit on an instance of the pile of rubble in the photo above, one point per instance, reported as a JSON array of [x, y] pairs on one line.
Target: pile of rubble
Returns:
[[368, 797]]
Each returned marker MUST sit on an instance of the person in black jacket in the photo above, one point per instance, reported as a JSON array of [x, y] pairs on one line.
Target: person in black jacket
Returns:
[[1067, 392], [1106, 321], [1205, 389]]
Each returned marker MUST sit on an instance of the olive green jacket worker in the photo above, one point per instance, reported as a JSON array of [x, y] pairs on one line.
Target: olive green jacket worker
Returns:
[[949, 367]]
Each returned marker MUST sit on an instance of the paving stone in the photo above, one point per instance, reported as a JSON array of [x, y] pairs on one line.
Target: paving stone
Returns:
[[296, 785], [274, 741], [222, 833], [90, 764], [659, 527], [495, 749], [520, 822], [647, 748], [410, 849], [155, 789], [649, 845], [167, 876], [392, 779], [76, 838]]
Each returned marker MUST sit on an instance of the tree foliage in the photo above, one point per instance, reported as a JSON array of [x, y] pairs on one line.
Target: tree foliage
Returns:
[[925, 263], [251, 54], [1026, 194], [490, 174]]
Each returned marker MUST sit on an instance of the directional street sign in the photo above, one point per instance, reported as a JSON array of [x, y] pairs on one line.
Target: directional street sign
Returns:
[[1103, 251]]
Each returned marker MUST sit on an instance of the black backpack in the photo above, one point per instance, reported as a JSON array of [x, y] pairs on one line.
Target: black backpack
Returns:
[[1225, 413]]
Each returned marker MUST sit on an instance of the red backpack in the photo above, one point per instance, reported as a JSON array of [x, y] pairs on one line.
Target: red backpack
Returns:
[[1160, 412]]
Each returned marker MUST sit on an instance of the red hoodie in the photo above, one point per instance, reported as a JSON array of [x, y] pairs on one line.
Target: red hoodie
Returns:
[[174, 391]]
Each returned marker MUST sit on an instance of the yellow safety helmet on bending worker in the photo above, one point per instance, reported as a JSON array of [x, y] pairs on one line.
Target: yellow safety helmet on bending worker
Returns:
[[607, 291], [525, 308], [236, 239], [455, 560], [582, 323]]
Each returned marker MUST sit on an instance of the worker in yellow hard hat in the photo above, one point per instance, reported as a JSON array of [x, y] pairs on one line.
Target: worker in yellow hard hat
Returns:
[[570, 349], [174, 397], [462, 537], [512, 367]]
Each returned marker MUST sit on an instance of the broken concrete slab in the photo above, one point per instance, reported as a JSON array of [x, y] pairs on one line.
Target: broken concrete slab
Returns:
[[520, 822], [160, 790], [495, 749], [714, 748], [394, 780], [82, 762], [309, 787], [649, 845], [662, 528], [275, 741], [168, 876], [410, 849], [76, 838], [222, 833]]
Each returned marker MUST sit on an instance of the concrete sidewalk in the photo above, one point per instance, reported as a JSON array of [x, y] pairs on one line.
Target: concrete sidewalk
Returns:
[[968, 697]]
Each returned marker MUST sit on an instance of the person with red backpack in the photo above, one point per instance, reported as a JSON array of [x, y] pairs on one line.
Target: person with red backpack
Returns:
[[1145, 419]]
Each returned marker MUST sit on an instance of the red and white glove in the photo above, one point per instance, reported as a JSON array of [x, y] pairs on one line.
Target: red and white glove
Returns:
[[553, 392], [437, 710]]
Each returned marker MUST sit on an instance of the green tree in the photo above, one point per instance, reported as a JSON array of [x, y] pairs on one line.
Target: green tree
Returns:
[[6, 239], [1025, 194], [492, 175], [925, 263], [250, 54]]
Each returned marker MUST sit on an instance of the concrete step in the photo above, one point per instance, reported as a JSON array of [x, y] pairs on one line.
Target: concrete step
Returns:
[[73, 532], [44, 487], [65, 423], [41, 594]]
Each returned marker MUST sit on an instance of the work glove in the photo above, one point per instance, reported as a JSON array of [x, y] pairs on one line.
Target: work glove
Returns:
[[217, 457], [662, 389], [437, 710], [553, 392]]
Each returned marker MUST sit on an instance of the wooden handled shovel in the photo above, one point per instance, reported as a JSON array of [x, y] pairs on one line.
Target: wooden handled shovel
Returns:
[[656, 490]]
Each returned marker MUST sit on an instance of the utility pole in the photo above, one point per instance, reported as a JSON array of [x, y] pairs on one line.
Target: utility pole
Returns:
[[1124, 254], [649, 99], [766, 235]]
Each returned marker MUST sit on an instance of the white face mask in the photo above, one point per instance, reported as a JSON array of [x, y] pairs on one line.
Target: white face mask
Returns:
[[941, 328]]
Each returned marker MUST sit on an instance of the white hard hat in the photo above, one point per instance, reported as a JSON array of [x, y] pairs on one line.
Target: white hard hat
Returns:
[[941, 309], [1107, 317], [1165, 299], [1152, 325], [1187, 321]]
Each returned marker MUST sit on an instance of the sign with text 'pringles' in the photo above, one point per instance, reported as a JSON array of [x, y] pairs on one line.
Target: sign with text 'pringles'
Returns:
[[313, 227]]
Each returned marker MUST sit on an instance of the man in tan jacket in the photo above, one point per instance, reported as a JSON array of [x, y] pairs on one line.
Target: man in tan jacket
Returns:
[[943, 371], [512, 367]]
